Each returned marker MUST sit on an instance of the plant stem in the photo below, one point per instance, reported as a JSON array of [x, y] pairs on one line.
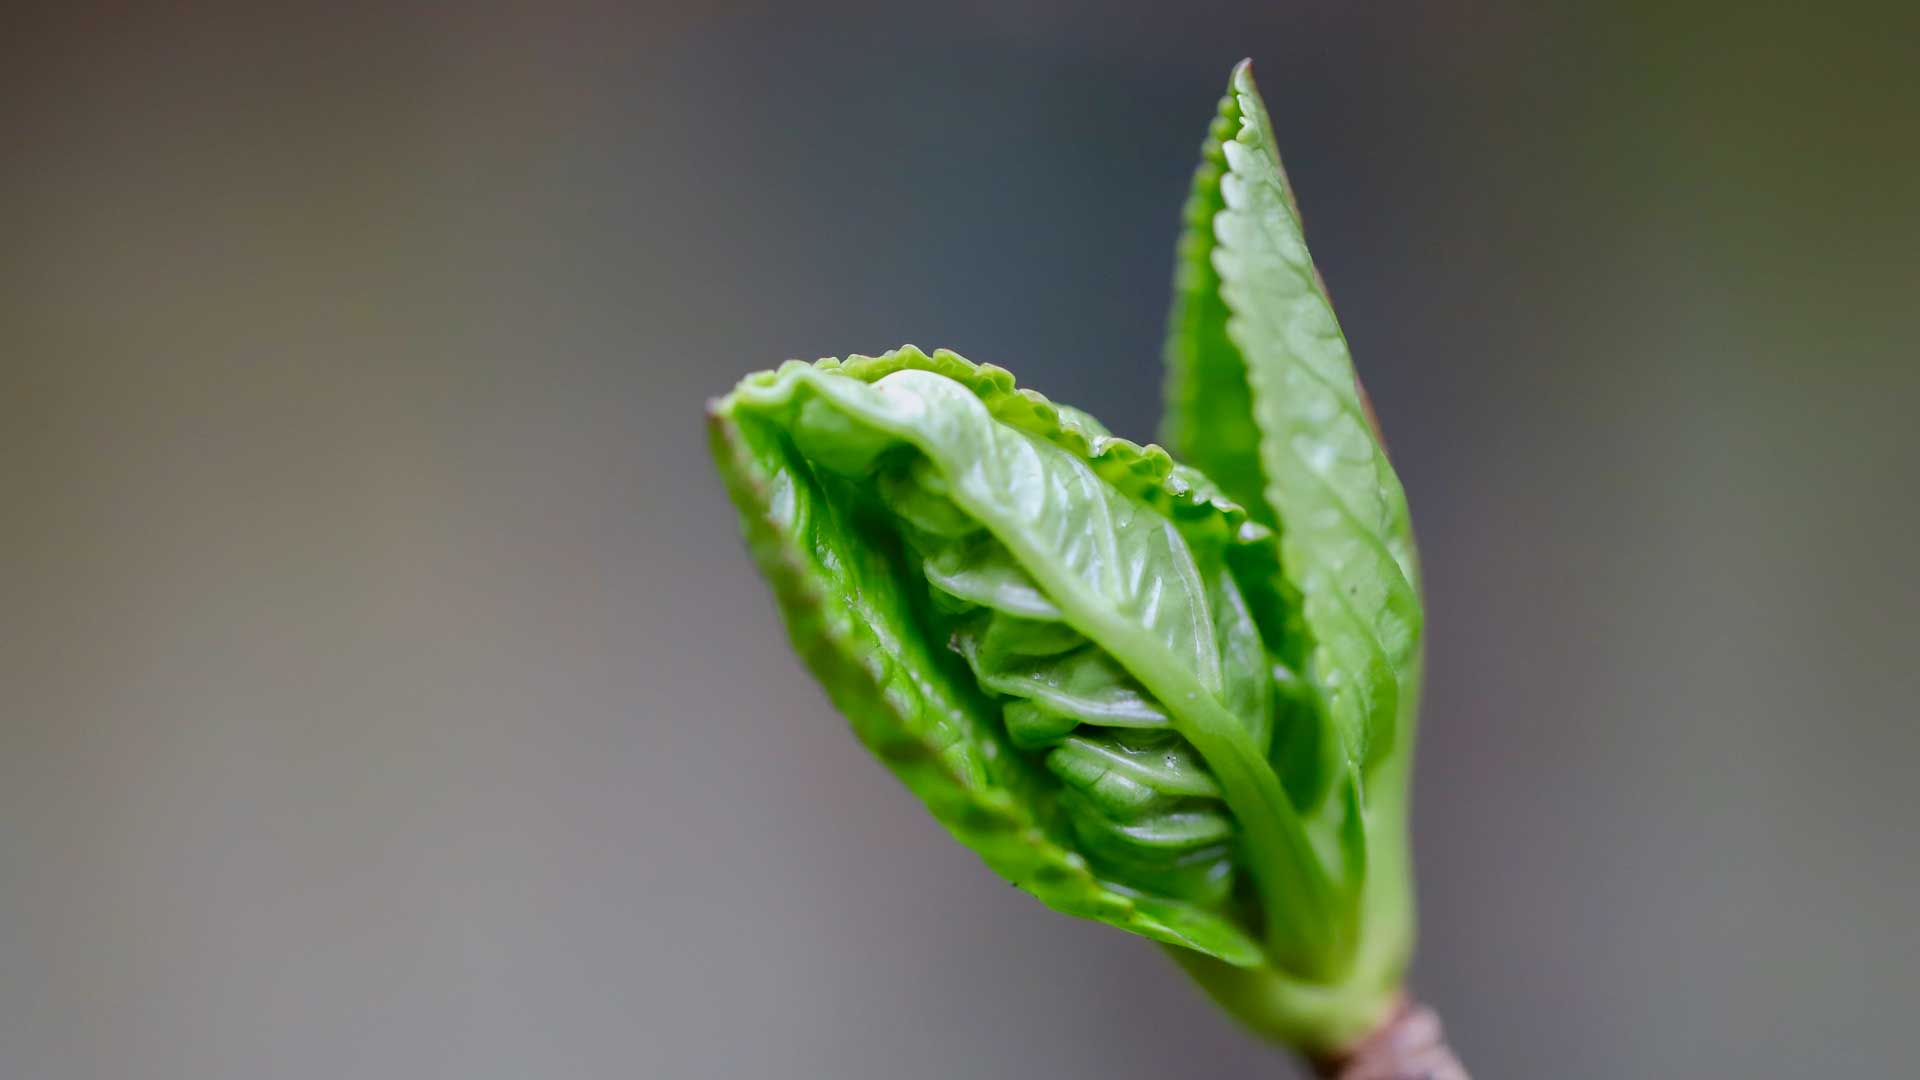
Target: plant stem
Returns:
[[1408, 1045]]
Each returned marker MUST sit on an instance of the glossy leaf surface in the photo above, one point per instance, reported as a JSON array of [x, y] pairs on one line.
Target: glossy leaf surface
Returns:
[[1261, 392], [1180, 707], [887, 586], [1262, 395]]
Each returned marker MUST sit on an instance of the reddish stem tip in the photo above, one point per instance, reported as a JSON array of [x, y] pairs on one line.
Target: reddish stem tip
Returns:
[[1408, 1045]]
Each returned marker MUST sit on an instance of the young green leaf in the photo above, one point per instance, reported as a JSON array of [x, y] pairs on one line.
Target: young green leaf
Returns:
[[1178, 706], [1065, 608], [1262, 394]]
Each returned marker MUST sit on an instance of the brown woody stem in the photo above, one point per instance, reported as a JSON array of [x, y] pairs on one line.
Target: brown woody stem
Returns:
[[1408, 1045]]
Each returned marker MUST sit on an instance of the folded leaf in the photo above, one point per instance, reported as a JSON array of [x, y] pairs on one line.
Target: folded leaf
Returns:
[[1176, 699], [1065, 607], [1262, 394]]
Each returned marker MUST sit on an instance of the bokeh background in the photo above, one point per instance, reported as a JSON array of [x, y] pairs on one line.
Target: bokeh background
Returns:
[[384, 690]]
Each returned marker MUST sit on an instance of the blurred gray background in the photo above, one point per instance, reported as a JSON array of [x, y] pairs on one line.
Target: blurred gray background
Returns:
[[384, 690]]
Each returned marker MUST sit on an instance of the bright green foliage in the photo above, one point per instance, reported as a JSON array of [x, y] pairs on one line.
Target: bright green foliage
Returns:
[[1134, 698], [1262, 394]]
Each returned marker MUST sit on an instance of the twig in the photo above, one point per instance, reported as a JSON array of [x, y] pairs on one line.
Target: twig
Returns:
[[1408, 1045]]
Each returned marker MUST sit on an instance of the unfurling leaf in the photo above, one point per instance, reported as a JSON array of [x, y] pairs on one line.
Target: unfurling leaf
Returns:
[[1038, 626], [1179, 707]]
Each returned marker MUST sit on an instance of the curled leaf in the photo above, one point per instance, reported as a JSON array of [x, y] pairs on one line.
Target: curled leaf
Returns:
[[1176, 698], [1001, 597]]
